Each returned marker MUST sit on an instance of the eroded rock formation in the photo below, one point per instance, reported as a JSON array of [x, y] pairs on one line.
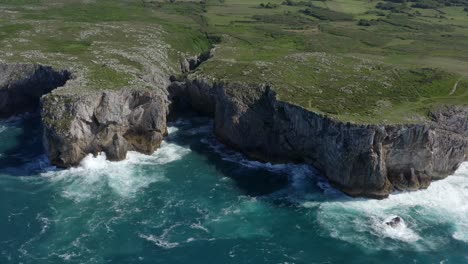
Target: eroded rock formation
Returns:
[[112, 122]]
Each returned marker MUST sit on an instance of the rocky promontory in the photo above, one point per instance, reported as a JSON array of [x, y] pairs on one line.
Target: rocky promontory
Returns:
[[110, 121], [361, 160]]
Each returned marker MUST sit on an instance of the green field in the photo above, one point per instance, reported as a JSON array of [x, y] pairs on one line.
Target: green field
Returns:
[[357, 60]]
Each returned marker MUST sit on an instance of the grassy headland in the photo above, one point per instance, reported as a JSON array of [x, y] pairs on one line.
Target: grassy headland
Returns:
[[357, 60]]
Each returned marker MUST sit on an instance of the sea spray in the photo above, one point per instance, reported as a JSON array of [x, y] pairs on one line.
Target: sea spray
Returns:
[[362, 221], [125, 177]]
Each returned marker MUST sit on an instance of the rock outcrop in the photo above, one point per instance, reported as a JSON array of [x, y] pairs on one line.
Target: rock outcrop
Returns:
[[191, 63], [22, 85], [361, 160], [112, 122]]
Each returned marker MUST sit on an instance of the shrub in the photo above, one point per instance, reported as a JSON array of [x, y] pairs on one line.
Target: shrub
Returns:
[[366, 22], [268, 5], [326, 14]]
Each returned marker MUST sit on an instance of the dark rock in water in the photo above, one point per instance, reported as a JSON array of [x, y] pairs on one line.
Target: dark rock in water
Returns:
[[361, 160], [113, 122], [22, 85], [118, 149], [394, 222]]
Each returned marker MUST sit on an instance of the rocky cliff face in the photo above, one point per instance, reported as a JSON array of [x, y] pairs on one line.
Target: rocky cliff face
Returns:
[[362, 160], [110, 122], [22, 85]]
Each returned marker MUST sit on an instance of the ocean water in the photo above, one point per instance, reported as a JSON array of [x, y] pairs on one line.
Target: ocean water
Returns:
[[195, 201]]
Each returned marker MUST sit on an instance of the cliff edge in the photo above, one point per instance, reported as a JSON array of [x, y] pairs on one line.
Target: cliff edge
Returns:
[[361, 160]]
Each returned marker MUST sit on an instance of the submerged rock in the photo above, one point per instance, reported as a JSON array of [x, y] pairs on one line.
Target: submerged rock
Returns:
[[22, 85], [394, 222], [110, 122]]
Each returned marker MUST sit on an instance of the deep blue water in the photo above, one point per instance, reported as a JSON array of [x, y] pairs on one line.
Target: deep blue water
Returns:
[[194, 201]]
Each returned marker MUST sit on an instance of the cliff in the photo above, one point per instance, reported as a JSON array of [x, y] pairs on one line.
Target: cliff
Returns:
[[111, 121], [361, 160], [22, 85]]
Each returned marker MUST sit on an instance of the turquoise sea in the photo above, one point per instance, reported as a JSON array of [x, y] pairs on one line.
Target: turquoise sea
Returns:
[[195, 201]]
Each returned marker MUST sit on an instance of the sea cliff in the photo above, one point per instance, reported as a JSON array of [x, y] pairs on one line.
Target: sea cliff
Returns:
[[111, 121], [361, 160]]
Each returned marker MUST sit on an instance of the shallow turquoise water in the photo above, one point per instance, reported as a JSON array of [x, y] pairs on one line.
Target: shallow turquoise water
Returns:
[[195, 201]]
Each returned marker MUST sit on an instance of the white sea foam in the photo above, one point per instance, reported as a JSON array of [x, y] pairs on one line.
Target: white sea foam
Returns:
[[240, 220], [13, 121], [172, 130], [398, 232], [297, 171], [445, 202], [94, 174], [66, 256], [160, 242]]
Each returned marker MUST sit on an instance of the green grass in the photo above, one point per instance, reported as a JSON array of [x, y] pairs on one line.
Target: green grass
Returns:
[[393, 71], [104, 76], [9, 31], [101, 11]]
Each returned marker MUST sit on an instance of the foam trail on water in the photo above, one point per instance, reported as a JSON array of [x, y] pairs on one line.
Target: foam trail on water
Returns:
[[125, 178], [160, 242], [236, 157], [444, 203], [10, 122]]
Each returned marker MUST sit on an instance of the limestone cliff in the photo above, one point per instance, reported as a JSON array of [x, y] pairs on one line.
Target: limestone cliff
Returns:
[[21, 86], [112, 122], [362, 160]]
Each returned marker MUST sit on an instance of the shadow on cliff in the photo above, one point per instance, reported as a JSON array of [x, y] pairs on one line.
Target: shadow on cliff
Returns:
[[21, 149]]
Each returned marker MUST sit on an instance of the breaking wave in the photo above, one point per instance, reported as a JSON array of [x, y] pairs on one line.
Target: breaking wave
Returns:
[[125, 178], [442, 206]]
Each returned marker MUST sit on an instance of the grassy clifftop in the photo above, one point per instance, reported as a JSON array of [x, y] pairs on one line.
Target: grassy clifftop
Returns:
[[346, 58], [357, 60], [107, 44]]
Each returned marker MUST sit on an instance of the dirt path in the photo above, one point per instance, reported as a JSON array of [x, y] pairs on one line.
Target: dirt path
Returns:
[[455, 87]]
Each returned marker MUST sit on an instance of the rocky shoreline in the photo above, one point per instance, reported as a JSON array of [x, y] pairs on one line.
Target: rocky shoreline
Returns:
[[361, 160]]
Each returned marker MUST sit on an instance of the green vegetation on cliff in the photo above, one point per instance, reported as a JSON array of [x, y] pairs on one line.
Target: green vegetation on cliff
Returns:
[[357, 60]]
